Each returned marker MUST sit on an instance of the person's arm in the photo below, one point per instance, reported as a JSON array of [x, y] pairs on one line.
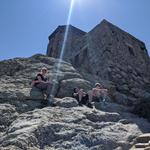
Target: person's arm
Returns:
[[48, 80], [90, 95], [94, 91], [104, 91], [39, 80], [80, 91], [32, 83], [75, 94], [84, 93]]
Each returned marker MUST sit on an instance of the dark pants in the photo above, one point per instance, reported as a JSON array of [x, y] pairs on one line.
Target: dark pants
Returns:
[[45, 88], [84, 99]]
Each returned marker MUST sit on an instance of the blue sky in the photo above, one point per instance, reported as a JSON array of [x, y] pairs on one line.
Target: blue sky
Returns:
[[26, 24]]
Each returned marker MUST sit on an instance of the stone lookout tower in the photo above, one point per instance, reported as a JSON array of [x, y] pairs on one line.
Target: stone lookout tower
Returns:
[[104, 47], [107, 52], [56, 41]]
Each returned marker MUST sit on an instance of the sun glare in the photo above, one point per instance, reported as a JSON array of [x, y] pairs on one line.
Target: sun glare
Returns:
[[67, 28], [64, 41]]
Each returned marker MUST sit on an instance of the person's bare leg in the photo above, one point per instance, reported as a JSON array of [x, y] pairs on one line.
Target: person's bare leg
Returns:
[[81, 93], [48, 89], [80, 96], [104, 95], [90, 95]]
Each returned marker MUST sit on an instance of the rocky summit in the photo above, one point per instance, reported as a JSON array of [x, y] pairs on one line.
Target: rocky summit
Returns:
[[28, 124]]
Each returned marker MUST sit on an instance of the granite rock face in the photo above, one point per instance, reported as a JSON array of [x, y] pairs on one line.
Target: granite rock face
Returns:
[[71, 127], [17, 74], [7, 115], [109, 53], [27, 124]]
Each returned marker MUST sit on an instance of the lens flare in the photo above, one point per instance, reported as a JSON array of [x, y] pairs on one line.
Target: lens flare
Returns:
[[63, 44], [66, 30]]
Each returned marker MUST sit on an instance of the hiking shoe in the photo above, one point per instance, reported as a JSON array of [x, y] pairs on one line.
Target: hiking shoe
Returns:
[[80, 104], [89, 105], [53, 105], [44, 101]]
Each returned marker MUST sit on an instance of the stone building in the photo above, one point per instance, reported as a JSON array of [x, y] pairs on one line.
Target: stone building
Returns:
[[108, 53], [56, 40]]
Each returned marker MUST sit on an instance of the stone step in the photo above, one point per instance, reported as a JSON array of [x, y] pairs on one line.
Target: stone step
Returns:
[[148, 148], [133, 148], [142, 145], [138, 149], [144, 138]]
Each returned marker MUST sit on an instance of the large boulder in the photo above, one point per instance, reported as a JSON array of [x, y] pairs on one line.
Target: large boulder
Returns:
[[66, 102], [67, 86]]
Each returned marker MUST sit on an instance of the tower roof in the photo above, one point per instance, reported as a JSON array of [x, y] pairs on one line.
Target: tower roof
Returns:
[[111, 26], [62, 29]]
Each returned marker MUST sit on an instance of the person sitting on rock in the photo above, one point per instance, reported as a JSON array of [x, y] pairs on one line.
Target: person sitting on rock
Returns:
[[98, 93], [41, 82], [81, 97]]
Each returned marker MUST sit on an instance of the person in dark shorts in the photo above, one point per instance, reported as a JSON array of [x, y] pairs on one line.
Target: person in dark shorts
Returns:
[[41, 82], [81, 97]]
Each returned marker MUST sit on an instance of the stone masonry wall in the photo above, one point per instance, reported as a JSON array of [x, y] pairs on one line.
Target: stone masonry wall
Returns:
[[56, 41]]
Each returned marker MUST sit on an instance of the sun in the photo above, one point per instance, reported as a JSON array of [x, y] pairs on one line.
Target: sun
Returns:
[[81, 4]]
